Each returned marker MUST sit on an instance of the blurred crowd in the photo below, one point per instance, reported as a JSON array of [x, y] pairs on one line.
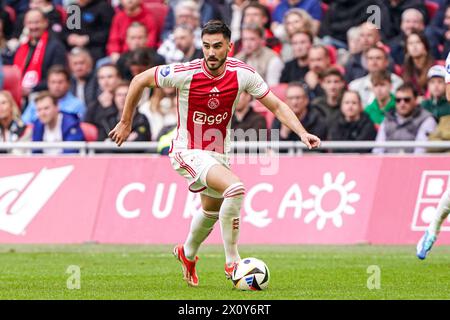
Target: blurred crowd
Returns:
[[351, 70]]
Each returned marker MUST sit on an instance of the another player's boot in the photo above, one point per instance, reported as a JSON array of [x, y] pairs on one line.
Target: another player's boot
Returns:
[[188, 266], [229, 268], [425, 244]]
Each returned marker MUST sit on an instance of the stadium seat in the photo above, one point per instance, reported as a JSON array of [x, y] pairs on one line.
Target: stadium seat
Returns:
[[11, 83], [324, 8], [386, 48], [332, 52], [432, 8], [60, 9], [159, 11], [339, 67], [280, 91], [11, 13], [398, 69], [90, 131]]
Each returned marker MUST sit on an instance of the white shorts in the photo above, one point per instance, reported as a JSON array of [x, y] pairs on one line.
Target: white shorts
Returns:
[[193, 164]]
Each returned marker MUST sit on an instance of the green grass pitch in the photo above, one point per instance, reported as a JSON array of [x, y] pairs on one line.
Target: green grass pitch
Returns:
[[151, 272]]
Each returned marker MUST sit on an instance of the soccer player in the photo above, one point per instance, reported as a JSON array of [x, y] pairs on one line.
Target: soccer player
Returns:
[[429, 238], [208, 90]]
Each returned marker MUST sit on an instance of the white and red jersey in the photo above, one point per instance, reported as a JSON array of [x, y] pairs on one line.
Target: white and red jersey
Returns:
[[206, 103]]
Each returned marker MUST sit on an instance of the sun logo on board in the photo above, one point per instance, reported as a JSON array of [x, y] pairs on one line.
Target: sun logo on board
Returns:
[[319, 206]]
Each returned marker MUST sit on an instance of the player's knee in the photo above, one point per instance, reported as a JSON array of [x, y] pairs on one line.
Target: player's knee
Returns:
[[234, 190]]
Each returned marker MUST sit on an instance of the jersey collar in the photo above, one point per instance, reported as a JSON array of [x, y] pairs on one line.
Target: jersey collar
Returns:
[[209, 75]]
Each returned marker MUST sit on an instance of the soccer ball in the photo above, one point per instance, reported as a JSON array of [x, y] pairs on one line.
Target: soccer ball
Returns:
[[251, 274]]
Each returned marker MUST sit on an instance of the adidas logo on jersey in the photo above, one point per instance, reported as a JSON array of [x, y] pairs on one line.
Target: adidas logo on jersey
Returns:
[[214, 90]]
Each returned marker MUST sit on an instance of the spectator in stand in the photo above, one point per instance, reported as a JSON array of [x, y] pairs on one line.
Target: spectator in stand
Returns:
[[266, 61], [297, 98], [369, 36], [237, 10], [333, 84], [412, 21], [295, 21], [165, 139], [186, 13], [246, 123], [5, 20], [312, 7], [437, 103], [384, 99], [83, 81], [53, 125], [108, 78], [257, 13], [344, 14], [12, 129], [55, 20], [6, 49], [96, 18], [185, 47], [354, 40], [19, 6], [438, 32], [136, 39], [318, 61], [353, 44], [418, 60], [133, 11], [352, 124], [108, 118], [41, 51], [141, 60], [58, 83], [407, 122], [377, 60], [397, 8], [208, 10], [161, 111], [184, 42], [297, 68]]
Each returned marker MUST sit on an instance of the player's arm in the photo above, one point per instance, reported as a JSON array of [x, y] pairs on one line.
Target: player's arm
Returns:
[[287, 117], [141, 81]]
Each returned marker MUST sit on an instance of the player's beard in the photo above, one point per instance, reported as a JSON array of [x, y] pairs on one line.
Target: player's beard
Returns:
[[219, 64]]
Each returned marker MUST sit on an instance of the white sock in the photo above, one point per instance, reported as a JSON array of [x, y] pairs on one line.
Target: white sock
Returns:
[[201, 226], [442, 212], [229, 220]]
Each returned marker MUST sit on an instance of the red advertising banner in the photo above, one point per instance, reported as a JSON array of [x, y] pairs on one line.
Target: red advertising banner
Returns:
[[304, 200]]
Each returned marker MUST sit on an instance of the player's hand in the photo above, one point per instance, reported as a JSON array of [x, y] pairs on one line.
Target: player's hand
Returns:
[[310, 140], [120, 133]]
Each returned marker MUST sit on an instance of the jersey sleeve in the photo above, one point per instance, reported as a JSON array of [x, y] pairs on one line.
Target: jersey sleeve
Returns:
[[168, 76], [447, 69], [256, 86]]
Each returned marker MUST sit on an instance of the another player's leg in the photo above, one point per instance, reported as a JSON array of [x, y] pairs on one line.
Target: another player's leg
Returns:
[[426, 242], [228, 184], [201, 226]]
